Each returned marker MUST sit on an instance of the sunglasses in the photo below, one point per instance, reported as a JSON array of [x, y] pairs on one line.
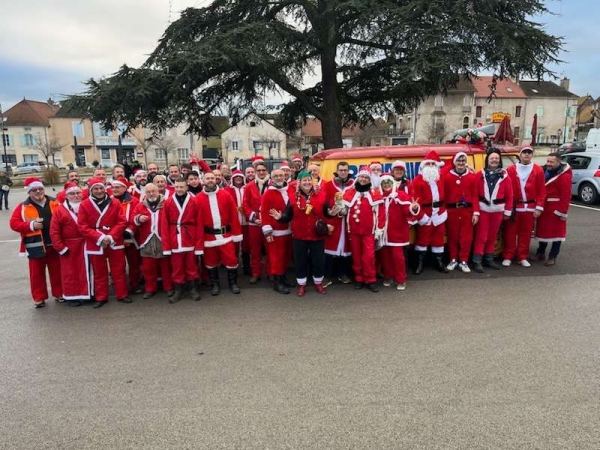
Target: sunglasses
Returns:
[[527, 151]]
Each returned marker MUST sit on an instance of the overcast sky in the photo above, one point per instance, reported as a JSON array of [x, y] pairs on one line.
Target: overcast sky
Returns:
[[49, 48]]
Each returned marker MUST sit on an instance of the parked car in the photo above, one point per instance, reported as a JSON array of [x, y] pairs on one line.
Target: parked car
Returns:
[[570, 147], [593, 139], [27, 167], [586, 175]]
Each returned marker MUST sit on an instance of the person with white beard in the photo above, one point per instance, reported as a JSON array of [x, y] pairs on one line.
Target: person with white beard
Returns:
[[427, 189], [70, 245], [376, 171]]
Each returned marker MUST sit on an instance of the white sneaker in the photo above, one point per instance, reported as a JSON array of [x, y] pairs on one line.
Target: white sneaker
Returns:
[[464, 267], [525, 263], [506, 262], [401, 286], [450, 267], [387, 282]]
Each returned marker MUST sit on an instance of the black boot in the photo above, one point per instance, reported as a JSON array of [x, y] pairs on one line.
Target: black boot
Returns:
[[420, 263], [286, 283], [477, 267], [213, 273], [195, 290], [246, 264], [178, 294], [488, 260], [232, 279], [278, 286], [439, 263]]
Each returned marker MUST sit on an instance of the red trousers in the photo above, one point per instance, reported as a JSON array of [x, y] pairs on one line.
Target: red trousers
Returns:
[[394, 265], [459, 233], [519, 230], [487, 232], [223, 254], [151, 267], [100, 263], [257, 243], [134, 262], [429, 235], [185, 267], [363, 257], [37, 275], [279, 254]]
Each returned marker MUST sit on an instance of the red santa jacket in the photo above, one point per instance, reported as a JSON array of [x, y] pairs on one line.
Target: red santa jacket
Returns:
[[238, 198], [531, 195], [276, 199], [21, 221], [128, 204], [179, 231], [137, 192], [552, 224], [336, 243], [364, 215], [500, 199], [431, 198], [218, 221], [251, 201], [95, 225], [64, 230], [152, 227], [303, 217], [398, 219], [460, 191]]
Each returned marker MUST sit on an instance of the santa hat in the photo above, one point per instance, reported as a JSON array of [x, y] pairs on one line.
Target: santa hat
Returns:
[[386, 177], [398, 164], [364, 171], [296, 158], [285, 166], [139, 172], [238, 173], [257, 159], [527, 147], [95, 181], [70, 187], [433, 157], [121, 181], [458, 155], [375, 163], [33, 183]]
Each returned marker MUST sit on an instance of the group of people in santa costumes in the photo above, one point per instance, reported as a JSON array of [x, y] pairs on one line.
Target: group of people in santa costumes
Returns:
[[171, 235]]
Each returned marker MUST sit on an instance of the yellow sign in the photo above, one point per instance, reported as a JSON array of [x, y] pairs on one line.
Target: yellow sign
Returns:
[[499, 116]]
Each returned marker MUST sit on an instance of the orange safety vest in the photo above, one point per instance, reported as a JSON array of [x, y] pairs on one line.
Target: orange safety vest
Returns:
[[33, 242]]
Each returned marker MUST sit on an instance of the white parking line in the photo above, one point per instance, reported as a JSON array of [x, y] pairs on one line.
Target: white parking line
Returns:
[[585, 207], [11, 240]]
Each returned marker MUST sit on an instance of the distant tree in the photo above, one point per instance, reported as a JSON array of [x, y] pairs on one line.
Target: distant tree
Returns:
[[48, 148], [165, 143], [370, 57]]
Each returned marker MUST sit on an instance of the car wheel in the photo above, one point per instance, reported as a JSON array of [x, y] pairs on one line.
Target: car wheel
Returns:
[[588, 194], [34, 171]]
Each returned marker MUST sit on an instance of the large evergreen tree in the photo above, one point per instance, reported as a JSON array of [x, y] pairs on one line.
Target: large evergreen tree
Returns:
[[369, 56]]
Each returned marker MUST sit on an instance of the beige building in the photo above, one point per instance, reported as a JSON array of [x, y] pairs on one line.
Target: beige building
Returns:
[[25, 124], [253, 136], [172, 147], [556, 110]]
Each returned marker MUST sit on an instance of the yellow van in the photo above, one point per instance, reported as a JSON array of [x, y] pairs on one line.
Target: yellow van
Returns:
[[411, 155]]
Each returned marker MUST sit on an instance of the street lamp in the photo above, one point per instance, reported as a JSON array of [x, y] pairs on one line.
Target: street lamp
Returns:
[[3, 140]]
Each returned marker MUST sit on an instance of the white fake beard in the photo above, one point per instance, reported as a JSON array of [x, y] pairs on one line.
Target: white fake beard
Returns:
[[375, 180], [75, 206], [430, 174]]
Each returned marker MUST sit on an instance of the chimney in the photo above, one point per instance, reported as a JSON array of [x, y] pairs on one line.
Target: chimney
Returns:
[[564, 83]]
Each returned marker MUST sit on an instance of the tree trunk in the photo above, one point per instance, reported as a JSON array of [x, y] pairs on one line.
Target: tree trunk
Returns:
[[332, 118]]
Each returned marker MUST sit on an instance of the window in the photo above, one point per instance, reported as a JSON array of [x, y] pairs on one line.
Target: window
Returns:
[[439, 101], [578, 162], [467, 100], [160, 154], [100, 131], [27, 140], [7, 138], [11, 159], [518, 111], [183, 153], [479, 111], [78, 130], [105, 154], [235, 146], [465, 123], [540, 111], [517, 132], [31, 158]]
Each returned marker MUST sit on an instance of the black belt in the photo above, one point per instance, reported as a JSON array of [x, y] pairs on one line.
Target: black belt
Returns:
[[498, 201], [221, 230], [526, 202], [434, 204], [459, 205]]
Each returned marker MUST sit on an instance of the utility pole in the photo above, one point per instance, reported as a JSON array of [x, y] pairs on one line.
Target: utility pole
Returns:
[[3, 139]]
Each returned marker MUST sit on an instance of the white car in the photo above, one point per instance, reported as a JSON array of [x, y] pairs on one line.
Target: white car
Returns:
[[27, 167]]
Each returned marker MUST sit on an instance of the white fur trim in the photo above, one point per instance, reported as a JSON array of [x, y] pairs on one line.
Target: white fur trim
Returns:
[[34, 185], [559, 214], [63, 251], [267, 229], [238, 238]]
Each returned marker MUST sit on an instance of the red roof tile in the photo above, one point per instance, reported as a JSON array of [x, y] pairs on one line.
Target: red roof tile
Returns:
[[505, 88], [29, 113], [312, 128]]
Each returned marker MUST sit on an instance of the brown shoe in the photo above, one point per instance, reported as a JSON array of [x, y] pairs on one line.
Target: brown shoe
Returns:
[[539, 257], [550, 262], [345, 279]]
